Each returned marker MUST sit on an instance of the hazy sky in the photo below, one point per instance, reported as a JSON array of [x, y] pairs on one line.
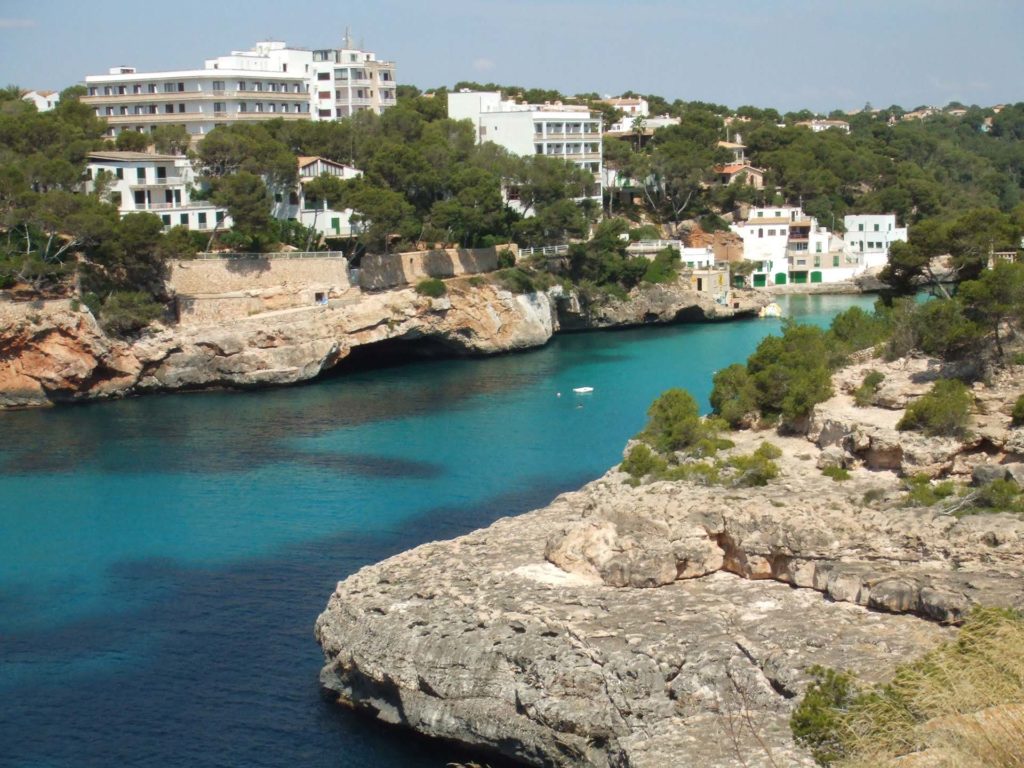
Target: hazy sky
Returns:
[[788, 54]]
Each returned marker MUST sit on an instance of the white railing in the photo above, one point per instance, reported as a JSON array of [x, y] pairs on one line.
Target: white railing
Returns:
[[544, 250]]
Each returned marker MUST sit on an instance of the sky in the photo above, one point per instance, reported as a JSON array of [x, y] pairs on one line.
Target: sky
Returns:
[[788, 54]]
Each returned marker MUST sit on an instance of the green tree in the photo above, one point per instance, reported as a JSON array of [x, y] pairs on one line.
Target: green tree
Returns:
[[248, 202], [996, 297]]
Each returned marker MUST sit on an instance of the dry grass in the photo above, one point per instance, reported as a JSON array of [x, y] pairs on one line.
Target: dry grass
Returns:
[[960, 706]]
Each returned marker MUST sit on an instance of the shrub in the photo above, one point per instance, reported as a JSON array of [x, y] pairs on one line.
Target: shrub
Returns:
[[791, 373], [942, 411], [431, 287], [642, 461], [125, 312], [733, 395], [673, 422], [663, 267], [921, 492], [819, 720], [516, 280], [506, 259], [856, 329], [863, 395], [1018, 412], [757, 468], [937, 327], [999, 496], [837, 473]]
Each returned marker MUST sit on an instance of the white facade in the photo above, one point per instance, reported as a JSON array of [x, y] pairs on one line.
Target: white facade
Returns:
[[790, 247], [295, 206], [630, 107], [158, 184], [823, 125], [269, 81], [44, 100], [566, 132], [650, 124], [870, 235]]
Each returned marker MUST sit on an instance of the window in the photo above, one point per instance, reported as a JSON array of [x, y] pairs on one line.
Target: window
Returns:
[[183, 218], [778, 214], [272, 107], [181, 87], [123, 111], [219, 106], [835, 260], [169, 109], [201, 219], [860, 227], [326, 95], [119, 173], [257, 86], [771, 233], [278, 197], [817, 247], [243, 107], [876, 227], [166, 219], [151, 88], [181, 108], [817, 261], [152, 109], [218, 85], [323, 75], [760, 232], [293, 198], [140, 174], [272, 87], [220, 216], [92, 90], [110, 110], [137, 88], [325, 113], [336, 224], [782, 231], [161, 173], [170, 88], [241, 85], [259, 107]]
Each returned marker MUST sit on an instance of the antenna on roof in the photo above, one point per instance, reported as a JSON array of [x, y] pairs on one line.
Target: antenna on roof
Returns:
[[348, 38]]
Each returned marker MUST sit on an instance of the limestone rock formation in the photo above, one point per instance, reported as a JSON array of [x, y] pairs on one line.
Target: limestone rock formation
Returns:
[[52, 353], [673, 624]]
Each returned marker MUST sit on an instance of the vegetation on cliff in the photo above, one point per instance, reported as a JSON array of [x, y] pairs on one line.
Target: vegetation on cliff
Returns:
[[962, 704]]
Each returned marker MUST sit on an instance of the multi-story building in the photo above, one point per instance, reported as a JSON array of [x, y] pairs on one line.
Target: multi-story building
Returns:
[[269, 81], [298, 206], [566, 132], [789, 246], [818, 125], [870, 235], [160, 184]]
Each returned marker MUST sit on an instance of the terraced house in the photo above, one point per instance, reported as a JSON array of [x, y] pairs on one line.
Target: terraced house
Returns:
[[271, 80]]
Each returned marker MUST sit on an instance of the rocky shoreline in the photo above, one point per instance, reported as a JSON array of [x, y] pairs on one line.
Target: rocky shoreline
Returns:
[[674, 623], [52, 352]]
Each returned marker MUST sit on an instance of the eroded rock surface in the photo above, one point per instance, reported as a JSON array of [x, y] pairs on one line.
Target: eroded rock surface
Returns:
[[673, 624]]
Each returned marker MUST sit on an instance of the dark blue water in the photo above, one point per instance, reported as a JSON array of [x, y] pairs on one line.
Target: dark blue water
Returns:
[[162, 560]]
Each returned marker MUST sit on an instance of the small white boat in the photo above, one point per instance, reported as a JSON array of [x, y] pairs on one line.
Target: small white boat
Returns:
[[772, 310], [582, 390]]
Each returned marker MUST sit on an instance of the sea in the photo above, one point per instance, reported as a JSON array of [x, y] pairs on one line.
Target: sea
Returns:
[[163, 558]]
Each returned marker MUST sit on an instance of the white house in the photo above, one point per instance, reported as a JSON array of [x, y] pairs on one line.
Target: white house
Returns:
[[160, 184], [789, 246], [327, 221], [269, 81], [566, 132], [870, 235], [818, 125], [44, 100]]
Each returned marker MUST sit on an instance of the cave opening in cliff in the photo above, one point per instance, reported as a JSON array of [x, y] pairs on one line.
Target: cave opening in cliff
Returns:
[[391, 353]]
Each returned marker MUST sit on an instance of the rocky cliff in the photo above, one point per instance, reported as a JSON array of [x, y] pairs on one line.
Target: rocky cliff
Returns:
[[673, 624], [51, 352]]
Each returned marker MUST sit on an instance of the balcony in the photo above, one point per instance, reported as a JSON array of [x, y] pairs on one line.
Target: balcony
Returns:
[[161, 98], [354, 102], [172, 181]]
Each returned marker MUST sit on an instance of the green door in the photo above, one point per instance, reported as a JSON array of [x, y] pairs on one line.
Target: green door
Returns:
[[760, 280], [798, 277], [780, 278], [815, 277]]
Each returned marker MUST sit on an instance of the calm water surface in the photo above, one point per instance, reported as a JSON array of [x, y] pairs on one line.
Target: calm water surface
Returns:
[[162, 560]]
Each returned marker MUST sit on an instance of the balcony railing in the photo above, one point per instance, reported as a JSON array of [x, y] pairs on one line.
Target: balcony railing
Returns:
[[194, 96], [175, 181]]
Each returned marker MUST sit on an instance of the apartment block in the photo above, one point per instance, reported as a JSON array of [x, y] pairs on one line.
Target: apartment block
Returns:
[[567, 132], [158, 184], [271, 80], [870, 235]]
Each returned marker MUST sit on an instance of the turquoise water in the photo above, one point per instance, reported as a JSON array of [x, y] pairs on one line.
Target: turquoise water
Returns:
[[162, 559]]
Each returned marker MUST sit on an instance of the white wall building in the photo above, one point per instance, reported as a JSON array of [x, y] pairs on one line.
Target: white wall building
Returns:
[[870, 235], [790, 247], [818, 125], [295, 206], [44, 100], [269, 81], [158, 184], [567, 132]]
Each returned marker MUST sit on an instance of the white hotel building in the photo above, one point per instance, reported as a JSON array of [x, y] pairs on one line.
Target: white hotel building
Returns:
[[567, 132], [269, 81]]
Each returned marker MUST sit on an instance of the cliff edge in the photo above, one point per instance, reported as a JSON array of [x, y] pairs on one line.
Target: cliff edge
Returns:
[[673, 624]]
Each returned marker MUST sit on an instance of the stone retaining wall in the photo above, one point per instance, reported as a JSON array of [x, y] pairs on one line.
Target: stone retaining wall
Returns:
[[211, 276], [382, 271]]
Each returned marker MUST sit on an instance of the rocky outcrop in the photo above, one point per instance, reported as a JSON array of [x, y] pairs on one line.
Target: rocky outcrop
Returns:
[[671, 624], [657, 303], [50, 352]]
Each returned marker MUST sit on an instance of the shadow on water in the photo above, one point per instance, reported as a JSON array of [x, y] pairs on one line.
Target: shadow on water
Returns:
[[219, 667]]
